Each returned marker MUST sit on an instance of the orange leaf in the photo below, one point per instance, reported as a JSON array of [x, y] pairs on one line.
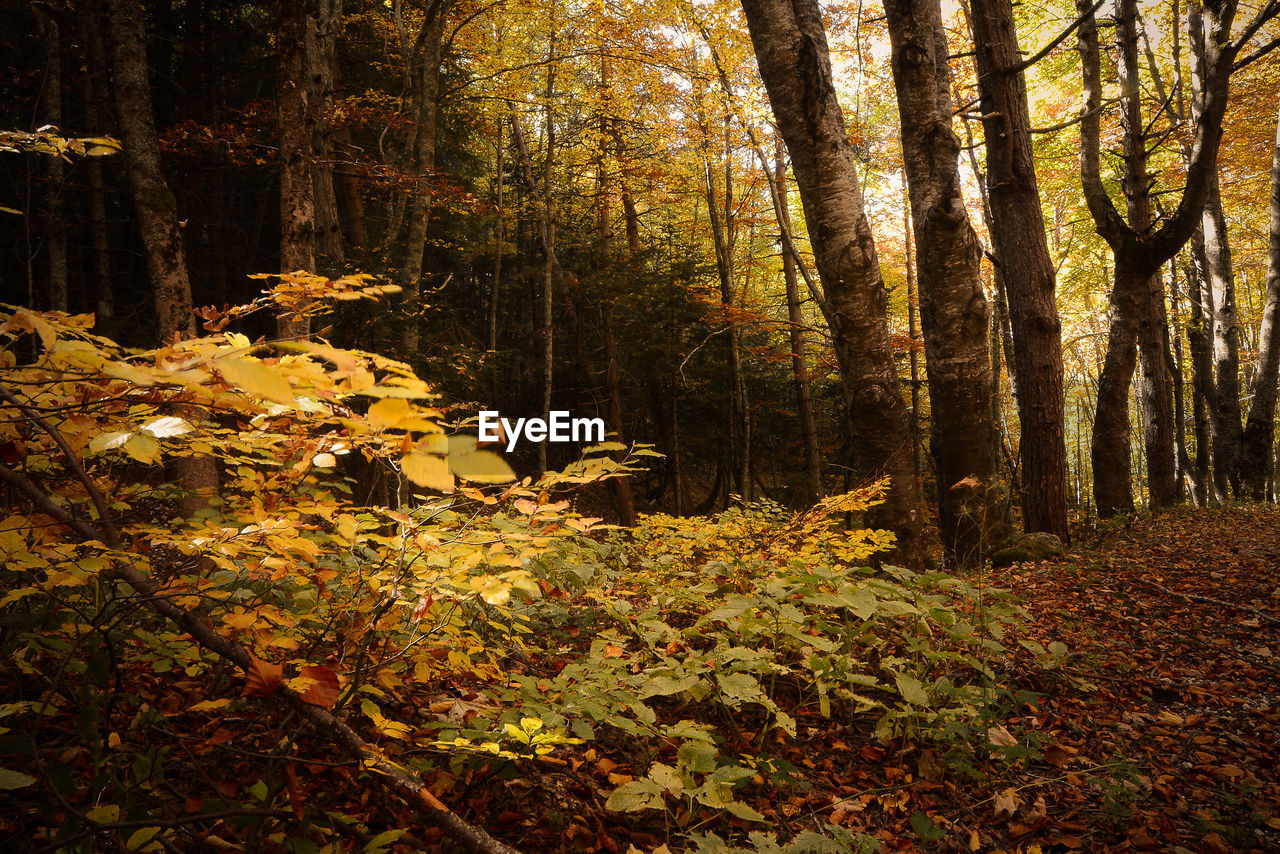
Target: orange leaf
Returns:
[[296, 795], [612, 651], [262, 678], [325, 690]]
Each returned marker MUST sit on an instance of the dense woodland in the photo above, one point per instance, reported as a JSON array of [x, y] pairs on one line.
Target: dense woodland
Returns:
[[870, 298]]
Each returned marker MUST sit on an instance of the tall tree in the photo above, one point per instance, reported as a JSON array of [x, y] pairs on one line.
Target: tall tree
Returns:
[[423, 58], [953, 309], [1022, 251], [1259, 433], [296, 124], [791, 48], [1136, 304], [156, 209]]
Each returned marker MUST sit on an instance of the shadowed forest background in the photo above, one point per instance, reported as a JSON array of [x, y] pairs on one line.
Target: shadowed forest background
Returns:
[[871, 298]]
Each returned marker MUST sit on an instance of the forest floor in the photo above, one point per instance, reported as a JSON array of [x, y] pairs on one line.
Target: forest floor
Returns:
[[1159, 733]]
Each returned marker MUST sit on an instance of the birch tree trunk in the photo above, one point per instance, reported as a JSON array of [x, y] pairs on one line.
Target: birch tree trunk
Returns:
[[791, 48], [1228, 435], [954, 315], [1025, 267]]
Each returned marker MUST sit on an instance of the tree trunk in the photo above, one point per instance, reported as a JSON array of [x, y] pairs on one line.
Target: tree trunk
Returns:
[[55, 218], [1140, 251], [1025, 267], [913, 357], [296, 119], [157, 214], [424, 73], [1259, 433], [96, 92], [791, 48], [953, 308], [1203, 392], [1226, 422], [322, 81], [799, 360]]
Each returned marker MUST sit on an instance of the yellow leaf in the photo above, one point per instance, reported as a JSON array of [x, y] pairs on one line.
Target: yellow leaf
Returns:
[[388, 412], [143, 448], [209, 705], [479, 466], [428, 470], [240, 621], [256, 378]]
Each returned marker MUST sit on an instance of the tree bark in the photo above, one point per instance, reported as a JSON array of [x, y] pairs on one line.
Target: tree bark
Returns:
[[1025, 267], [791, 48], [1203, 391], [97, 93], [1259, 434], [953, 308], [296, 125]]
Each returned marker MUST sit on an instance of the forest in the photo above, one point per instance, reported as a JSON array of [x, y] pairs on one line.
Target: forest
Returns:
[[620, 426]]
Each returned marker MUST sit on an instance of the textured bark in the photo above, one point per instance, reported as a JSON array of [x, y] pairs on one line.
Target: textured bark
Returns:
[[322, 75], [1228, 435], [1025, 268], [296, 126], [157, 214], [799, 359], [913, 357], [1139, 249], [424, 78], [791, 49], [1204, 393], [1259, 433], [953, 309]]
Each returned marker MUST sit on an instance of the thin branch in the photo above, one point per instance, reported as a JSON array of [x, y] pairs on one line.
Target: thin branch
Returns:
[[104, 518], [1047, 49], [1257, 54]]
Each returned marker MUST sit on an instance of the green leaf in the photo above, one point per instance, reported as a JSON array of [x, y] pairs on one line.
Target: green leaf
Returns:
[[636, 795], [911, 689], [141, 838], [14, 779], [738, 687], [697, 756], [667, 778], [382, 840], [925, 828]]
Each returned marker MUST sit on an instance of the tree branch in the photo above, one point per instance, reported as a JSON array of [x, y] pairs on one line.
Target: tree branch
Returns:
[[1047, 49]]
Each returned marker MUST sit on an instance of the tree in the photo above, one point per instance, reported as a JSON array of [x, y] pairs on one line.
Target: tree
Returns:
[[1136, 305], [296, 124], [1022, 252], [1256, 463], [953, 309], [791, 49]]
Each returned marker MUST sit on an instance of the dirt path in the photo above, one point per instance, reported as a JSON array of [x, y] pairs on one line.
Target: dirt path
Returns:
[[1176, 623]]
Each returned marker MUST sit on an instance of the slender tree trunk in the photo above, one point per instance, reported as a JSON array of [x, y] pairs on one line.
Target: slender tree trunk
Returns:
[[424, 73], [953, 308], [1176, 362], [1025, 269], [157, 214], [913, 356], [296, 125], [739, 465], [799, 359], [791, 49], [1203, 392], [498, 238], [1226, 422], [55, 222], [96, 102], [1259, 434], [322, 82]]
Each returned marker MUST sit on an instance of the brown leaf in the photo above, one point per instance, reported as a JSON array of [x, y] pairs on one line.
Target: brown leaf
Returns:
[[263, 678], [325, 691]]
